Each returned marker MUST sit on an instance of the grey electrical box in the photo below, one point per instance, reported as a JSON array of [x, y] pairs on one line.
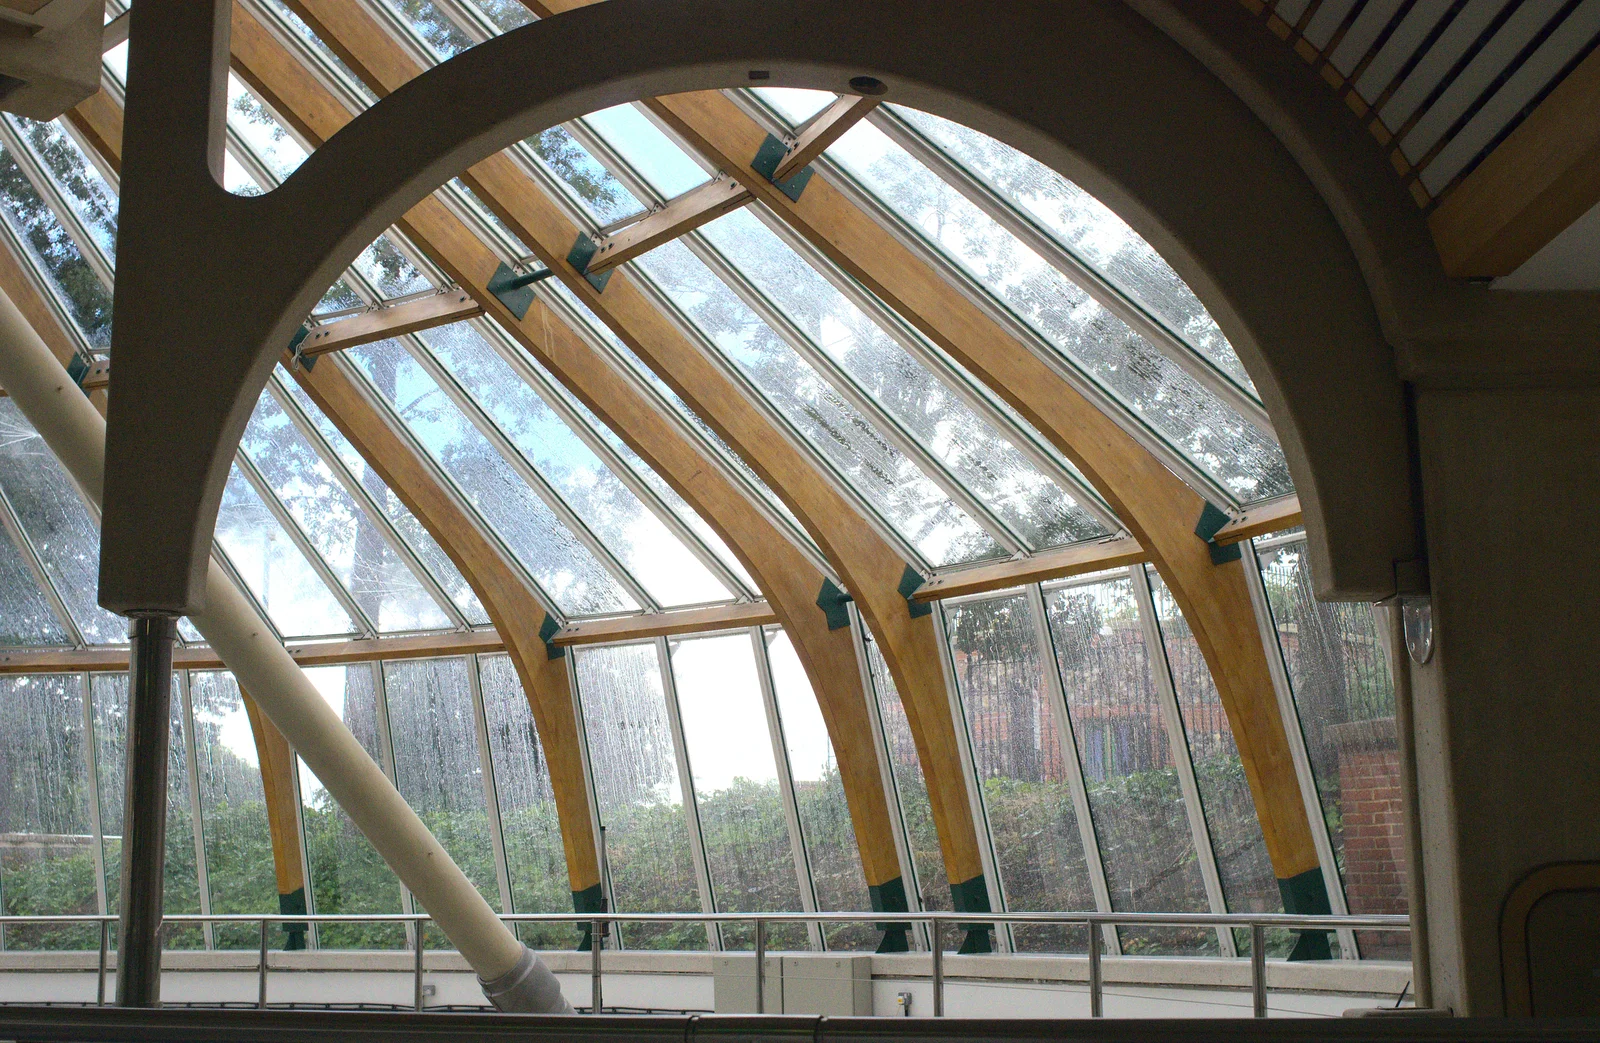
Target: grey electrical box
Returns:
[[813, 983], [733, 978], [820, 983]]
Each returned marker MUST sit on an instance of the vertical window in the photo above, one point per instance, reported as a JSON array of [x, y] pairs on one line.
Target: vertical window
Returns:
[[47, 862], [1016, 751], [912, 787], [825, 822], [742, 818], [535, 858], [1248, 881], [635, 770], [436, 764], [1345, 698], [1128, 766], [347, 873], [181, 886], [233, 808]]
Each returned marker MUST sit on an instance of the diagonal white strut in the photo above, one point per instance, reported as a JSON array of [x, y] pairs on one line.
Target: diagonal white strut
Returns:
[[513, 978]]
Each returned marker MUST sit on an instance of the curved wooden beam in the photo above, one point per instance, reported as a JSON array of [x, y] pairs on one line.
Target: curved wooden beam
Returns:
[[1160, 510], [868, 565]]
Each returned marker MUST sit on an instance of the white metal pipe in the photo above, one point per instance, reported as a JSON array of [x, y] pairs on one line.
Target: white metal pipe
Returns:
[[514, 979]]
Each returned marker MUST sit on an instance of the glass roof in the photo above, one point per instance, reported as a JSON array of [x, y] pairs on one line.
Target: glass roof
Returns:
[[932, 458]]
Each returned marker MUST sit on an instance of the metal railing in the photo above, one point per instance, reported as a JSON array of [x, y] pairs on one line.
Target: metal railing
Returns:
[[1257, 923]]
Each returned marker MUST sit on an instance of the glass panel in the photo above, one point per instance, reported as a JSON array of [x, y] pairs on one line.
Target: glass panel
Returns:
[[1089, 229], [426, 547], [635, 777], [1153, 387], [280, 577], [80, 291], [348, 540], [267, 138], [1016, 750], [975, 452], [1248, 882], [436, 765], [907, 498], [47, 862], [794, 104], [389, 271], [668, 169], [825, 823], [79, 183], [181, 886], [645, 546], [736, 786], [927, 858], [25, 614], [574, 166], [563, 566], [57, 522], [534, 855], [1134, 794], [233, 809], [430, 24], [1342, 689], [347, 874], [505, 14]]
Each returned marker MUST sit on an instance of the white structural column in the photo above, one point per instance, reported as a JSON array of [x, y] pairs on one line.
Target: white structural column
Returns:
[[74, 430]]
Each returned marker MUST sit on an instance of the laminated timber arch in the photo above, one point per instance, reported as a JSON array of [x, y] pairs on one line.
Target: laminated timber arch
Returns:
[[786, 576], [1140, 128]]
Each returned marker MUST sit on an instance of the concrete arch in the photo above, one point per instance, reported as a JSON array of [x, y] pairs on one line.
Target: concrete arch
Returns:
[[208, 297]]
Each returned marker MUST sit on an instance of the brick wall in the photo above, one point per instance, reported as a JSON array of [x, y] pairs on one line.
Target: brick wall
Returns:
[[1374, 828]]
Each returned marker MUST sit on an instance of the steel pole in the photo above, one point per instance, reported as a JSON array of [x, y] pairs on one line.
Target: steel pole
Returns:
[[416, 976], [144, 820], [761, 966], [1258, 969], [596, 944], [1097, 991], [100, 988], [261, 971], [938, 967]]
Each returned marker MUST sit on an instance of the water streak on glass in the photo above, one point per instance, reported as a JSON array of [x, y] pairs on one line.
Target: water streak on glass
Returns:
[[635, 774], [742, 819], [1021, 767], [1128, 764]]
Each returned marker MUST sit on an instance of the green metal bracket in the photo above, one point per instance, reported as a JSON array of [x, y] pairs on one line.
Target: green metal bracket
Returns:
[[972, 896], [293, 904], [910, 580], [548, 629], [305, 361], [590, 900], [1307, 895], [1212, 519], [78, 367], [832, 601], [766, 163], [890, 897], [580, 255], [516, 291]]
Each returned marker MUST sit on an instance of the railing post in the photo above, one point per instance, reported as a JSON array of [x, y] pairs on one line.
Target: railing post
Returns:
[[416, 977], [938, 967], [100, 989], [1258, 969], [261, 970], [761, 966], [596, 945], [1097, 996]]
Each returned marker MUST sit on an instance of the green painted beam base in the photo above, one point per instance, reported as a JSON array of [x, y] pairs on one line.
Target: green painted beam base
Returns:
[[1307, 895], [890, 897], [589, 900], [293, 904], [972, 896]]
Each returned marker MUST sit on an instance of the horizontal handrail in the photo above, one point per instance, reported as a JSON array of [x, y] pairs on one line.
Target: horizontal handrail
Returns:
[[1092, 922], [1287, 921]]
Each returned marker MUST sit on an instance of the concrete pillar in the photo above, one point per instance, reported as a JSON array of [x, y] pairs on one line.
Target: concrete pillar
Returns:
[[1508, 707]]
